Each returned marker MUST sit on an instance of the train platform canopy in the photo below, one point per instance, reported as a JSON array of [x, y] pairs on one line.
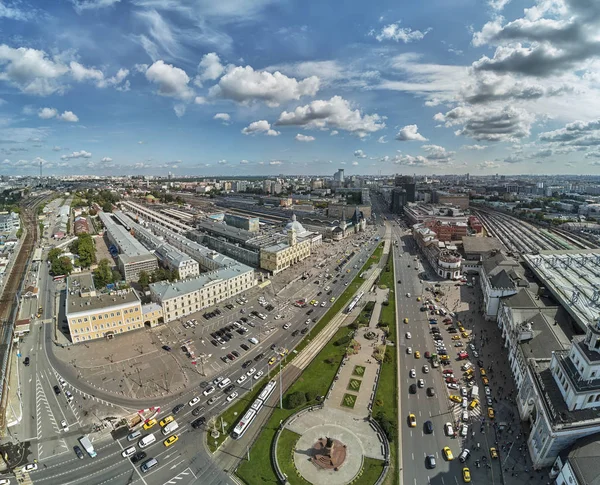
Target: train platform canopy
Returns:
[[37, 254], [573, 278]]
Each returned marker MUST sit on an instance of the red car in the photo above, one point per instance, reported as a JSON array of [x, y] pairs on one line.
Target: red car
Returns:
[[447, 371], [463, 356], [453, 380], [428, 355], [447, 323], [447, 320]]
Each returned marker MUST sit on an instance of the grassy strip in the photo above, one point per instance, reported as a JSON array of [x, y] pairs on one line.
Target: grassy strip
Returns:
[[315, 379], [234, 412], [285, 455], [385, 407], [371, 471]]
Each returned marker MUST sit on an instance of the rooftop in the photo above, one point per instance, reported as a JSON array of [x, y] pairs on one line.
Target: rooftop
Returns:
[[481, 245], [583, 458], [82, 296], [128, 245]]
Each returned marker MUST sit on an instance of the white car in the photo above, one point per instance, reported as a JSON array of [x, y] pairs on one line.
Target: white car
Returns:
[[194, 401], [475, 354], [217, 380], [413, 373], [307, 322], [241, 379], [30, 467], [408, 335], [463, 391], [451, 385], [408, 295], [250, 372], [426, 369], [471, 346], [232, 396], [287, 325], [409, 350], [465, 403], [421, 383], [208, 390], [69, 397], [448, 429], [128, 452], [465, 416], [464, 429], [258, 375], [64, 424], [458, 344], [323, 303], [488, 392]]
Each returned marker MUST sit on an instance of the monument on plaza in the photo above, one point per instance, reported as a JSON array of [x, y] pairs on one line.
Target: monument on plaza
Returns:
[[328, 454]]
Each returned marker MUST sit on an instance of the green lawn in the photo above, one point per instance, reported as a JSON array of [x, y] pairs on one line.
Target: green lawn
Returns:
[[386, 398], [371, 471], [354, 385], [234, 412], [348, 401], [285, 456], [359, 370], [316, 378]]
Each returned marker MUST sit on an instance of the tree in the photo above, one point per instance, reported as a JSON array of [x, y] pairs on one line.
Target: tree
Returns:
[[83, 246], [174, 275], [116, 275], [61, 266], [144, 279], [107, 206], [53, 254], [103, 274], [296, 399], [19, 232]]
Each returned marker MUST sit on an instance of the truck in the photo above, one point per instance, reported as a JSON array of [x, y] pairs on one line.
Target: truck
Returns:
[[435, 360], [169, 428], [87, 446], [474, 392]]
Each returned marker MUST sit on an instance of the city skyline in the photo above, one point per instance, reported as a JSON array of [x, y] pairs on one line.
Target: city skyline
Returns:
[[144, 87]]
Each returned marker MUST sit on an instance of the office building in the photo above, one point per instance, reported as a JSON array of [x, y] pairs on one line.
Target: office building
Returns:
[[407, 183], [282, 255]]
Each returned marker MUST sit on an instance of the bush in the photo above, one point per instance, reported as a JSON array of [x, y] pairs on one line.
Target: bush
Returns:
[[342, 341], [387, 426], [310, 396], [296, 399]]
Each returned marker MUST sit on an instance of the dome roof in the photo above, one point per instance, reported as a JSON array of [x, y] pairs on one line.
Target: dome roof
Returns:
[[296, 226]]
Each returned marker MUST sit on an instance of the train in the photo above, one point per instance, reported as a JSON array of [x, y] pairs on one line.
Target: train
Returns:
[[247, 419], [354, 302]]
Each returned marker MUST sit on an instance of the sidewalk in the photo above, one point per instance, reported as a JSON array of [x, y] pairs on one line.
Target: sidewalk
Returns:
[[14, 408]]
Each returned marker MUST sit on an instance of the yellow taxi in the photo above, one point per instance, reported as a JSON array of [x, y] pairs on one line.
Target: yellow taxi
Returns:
[[486, 381], [412, 421], [272, 360], [461, 328], [469, 372], [493, 453], [473, 404], [491, 413], [455, 398], [406, 320], [448, 453], [437, 299], [312, 302], [444, 357], [148, 424], [347, 271], [332, 299], [482, 371], [418, 298], [466, 475], [170, 440], [283, 352], [464, 335], [456, 337], [417, 355], [166, 421]]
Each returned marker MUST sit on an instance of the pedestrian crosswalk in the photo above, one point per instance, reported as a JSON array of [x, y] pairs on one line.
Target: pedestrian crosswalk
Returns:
[[23, 478]]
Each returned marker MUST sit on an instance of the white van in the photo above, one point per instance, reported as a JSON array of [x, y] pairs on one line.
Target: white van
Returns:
[[252, 340], [147, 440], [147, 465], [224, 383], [474, 392], [169, 428]]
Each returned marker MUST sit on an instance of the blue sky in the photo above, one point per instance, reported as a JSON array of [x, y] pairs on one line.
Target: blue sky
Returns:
[[249, 87]]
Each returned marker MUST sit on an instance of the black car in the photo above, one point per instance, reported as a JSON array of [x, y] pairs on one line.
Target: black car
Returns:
[[178, 408], [26, 361], [295, 332], [197, 411], [258, 357], [329, 292], [309, 311], [235, 352], [240, 331], [198, 422], [140, 455], [78, 452], [226, 337], [320, 293], [56, 390], [224, 359], [244, 319], [246, 364], [245, 347], [334, 281], [167, 348], [428, 427], [230, 335], [304, 330], [229, 388], [273, 346], [214, 342], [430, 391], [399, 282], [413, 389], [480, 363], [430, 461]]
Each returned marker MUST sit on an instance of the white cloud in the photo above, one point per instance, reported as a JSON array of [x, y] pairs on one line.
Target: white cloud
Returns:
[[106, 160], [47, 113], [31, 70], [355, 163], [179, 109], [399, 34], [474, 147], [222, 162], [488, 164], [334, 132], [261, 126], [498, 5], [244, 162], [224, 117], [275, 162], [301, 137], [438, 154], [200, 100], [81, 73], [172, 81], [244, 84], [56, 149], [382, 139], [410, 133], [80, 154], [359, 154], [69, 116], [81, 5], [334, 113], [209, 69]]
